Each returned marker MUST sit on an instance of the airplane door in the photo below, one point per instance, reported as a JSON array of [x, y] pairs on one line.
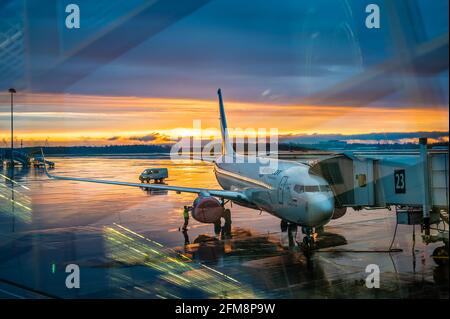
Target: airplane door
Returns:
[[281, 188]]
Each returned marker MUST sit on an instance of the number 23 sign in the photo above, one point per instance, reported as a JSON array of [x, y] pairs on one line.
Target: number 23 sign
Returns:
[[399, 181]]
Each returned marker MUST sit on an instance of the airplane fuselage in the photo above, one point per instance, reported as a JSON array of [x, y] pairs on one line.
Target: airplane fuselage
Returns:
[[288, 191]]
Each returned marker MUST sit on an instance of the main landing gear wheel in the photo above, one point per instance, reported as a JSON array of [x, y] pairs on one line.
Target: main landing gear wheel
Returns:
[[225, 230], [284, 226]]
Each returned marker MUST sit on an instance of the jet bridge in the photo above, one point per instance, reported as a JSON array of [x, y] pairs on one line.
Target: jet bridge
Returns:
[[415, 182]]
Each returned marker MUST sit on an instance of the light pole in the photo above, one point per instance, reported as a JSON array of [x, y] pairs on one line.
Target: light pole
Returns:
[[12, 91]]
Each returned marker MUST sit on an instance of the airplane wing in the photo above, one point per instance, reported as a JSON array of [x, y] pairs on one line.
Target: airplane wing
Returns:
[[233, 195]]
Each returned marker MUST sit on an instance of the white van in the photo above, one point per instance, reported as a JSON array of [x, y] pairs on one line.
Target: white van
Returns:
[[156, 174]]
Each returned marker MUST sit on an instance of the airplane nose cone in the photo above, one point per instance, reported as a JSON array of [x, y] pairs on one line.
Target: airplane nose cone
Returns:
[[320, 210]]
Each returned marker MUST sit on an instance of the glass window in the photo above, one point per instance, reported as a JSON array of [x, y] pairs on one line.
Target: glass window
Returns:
[[325, 188], [362, 180], [312, 188], [299, 188]]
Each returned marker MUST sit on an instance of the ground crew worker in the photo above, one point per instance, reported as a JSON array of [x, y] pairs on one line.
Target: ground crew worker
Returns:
[[186, 217]]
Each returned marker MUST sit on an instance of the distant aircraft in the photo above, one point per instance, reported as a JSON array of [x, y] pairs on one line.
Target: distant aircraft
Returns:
[[290, 192]]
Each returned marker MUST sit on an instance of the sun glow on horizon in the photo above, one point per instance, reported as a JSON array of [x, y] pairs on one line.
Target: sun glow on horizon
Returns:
[[66, 119]]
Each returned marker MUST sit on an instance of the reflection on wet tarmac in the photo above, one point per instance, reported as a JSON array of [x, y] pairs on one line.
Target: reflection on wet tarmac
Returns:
[[175, 269], [14, 200], [127, 244]]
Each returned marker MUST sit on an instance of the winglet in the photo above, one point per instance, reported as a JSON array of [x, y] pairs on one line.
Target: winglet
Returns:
[[45, 164]]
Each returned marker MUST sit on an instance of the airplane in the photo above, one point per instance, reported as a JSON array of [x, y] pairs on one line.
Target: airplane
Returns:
[[290, 192]]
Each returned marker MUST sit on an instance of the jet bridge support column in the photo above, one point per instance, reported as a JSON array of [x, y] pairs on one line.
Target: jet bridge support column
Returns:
[[426, 191]]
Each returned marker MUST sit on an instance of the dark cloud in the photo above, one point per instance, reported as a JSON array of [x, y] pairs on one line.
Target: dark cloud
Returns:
[[152, 137], [145, 138], [394, 136], [295, 49]]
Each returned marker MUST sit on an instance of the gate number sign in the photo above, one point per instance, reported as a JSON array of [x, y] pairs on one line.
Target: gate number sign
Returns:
[[399, 181]]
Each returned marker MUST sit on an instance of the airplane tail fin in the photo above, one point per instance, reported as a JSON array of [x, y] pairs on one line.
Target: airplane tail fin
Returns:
[[227, 147]]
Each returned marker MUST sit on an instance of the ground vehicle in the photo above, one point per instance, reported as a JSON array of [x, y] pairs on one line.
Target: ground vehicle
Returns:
[[156, 174]]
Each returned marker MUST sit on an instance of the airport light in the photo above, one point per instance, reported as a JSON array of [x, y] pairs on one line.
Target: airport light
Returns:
[[12, 91]]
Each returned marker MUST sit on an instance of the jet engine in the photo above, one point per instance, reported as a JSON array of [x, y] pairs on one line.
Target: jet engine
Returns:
[[339, 212], [207, 209]]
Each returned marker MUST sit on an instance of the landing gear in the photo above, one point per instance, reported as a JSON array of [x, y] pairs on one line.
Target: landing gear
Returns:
[[284, 226], [225, 230], [217, 227], [309, 239]]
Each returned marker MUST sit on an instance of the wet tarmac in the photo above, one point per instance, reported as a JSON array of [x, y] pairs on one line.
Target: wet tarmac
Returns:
[[127, 243]]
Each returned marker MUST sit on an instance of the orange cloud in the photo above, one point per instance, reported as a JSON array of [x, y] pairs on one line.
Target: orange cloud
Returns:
[[82, 119]]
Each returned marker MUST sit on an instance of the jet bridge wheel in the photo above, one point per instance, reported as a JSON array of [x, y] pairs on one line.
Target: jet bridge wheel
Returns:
[[440, 255]]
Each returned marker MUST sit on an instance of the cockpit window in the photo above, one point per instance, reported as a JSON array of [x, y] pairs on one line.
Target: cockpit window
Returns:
[[299, 188], [312, 188], [325, 188]]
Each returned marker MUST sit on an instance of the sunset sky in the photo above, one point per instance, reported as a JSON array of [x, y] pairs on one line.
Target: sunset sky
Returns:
[[79, 119], [302, 67]]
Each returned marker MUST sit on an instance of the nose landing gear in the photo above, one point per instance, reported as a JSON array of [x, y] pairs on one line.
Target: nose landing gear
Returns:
[[310, 238]]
